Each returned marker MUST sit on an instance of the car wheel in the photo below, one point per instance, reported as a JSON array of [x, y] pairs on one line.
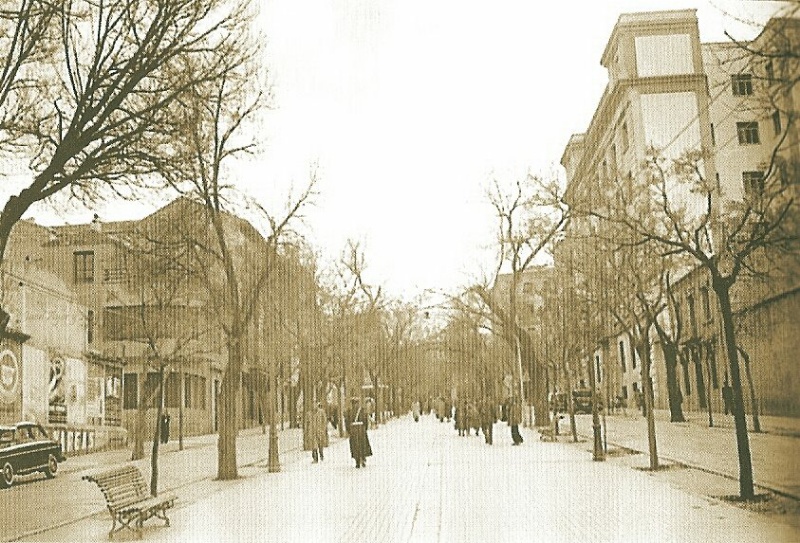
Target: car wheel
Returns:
[[52, 467], [7, 475]]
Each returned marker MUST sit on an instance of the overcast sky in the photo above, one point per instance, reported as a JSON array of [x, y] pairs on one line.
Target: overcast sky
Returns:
[[410, 106]]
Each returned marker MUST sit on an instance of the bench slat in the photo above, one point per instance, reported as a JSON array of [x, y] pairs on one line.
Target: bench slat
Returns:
[[127, 496]]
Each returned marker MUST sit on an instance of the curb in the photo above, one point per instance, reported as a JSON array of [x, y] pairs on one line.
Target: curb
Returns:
[[87, 516], [712, 471]]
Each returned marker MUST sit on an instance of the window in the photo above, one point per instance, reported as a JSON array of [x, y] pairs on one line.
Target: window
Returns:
[[712, 361], [742, 84], [83, 266], [776, 122], [753, 183], [748, 133], [687, 381], [172, 391], [633, 358], [90, 326], [692, 315], [705, 299], [713, 135], [151, 389], [624, 392], [130, 387], [622, 355]]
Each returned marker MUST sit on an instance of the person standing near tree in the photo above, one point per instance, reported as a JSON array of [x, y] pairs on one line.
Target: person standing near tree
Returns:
[[415, 410], [317, 431]]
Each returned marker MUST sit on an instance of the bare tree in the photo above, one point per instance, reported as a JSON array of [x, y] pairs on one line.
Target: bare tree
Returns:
[[685, 214], [215, 122], [104, 120], [531, 216]]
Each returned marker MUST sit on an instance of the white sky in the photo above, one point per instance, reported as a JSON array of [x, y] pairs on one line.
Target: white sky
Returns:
[[409, 106]]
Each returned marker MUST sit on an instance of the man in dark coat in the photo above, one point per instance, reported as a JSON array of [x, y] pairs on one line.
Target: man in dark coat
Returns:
[[357, 423]]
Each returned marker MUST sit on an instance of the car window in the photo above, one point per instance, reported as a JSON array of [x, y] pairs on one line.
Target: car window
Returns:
[[6, 437]]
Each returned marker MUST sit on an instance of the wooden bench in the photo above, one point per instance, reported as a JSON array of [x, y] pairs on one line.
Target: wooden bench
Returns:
[[128, 498]]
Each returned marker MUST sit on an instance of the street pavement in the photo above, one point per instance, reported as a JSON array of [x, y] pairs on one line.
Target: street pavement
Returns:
[[427, 484], [775, 452]]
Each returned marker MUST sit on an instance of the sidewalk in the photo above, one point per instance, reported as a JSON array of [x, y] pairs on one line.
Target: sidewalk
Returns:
[[775, 452], [67, 498], [427, 484]]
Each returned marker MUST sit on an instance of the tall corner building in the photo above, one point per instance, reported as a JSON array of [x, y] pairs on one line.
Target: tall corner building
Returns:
[[735, 101]]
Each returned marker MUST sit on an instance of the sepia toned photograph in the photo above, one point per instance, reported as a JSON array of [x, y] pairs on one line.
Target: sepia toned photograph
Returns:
[[400, 271]]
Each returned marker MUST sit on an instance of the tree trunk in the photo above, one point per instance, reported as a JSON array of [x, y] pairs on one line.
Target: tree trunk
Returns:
[[570, 404], [753, 399], [12, 212], [157, 434], [647, 389], [707, 364], [673, 388], [722, 290], [539, 389], [228, 414]]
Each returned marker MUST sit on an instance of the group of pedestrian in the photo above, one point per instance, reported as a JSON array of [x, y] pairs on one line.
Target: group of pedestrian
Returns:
[[481, 416], [356, 422], [444, 409], [468, 416]]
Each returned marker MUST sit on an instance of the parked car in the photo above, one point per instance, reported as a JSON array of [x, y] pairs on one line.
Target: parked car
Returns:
[[582, 400], [25, 448]]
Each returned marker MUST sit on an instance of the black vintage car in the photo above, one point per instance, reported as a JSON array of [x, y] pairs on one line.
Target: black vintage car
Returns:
[[26, 448]]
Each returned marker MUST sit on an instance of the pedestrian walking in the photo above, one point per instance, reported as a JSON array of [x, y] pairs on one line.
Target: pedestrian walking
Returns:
[[357, 424], [317, 432], [415, 410], [515, 419], [440, 409], [460, 417]]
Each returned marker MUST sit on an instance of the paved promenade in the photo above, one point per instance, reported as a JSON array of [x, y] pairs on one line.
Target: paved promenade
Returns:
[[427, 484], [775, 452]]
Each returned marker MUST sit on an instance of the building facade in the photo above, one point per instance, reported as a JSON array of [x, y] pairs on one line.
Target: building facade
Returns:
[[669, 94]]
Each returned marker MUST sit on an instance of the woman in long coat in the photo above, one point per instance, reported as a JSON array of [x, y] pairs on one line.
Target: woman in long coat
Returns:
[[357, 424]]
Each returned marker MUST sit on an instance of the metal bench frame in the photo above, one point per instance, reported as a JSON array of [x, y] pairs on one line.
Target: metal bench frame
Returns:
[[128, 498]]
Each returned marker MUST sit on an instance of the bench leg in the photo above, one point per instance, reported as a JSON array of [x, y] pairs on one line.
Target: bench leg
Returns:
[[139, 522]]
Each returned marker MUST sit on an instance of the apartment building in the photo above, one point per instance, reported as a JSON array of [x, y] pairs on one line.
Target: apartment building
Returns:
[[126, 287], [669, 92]]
